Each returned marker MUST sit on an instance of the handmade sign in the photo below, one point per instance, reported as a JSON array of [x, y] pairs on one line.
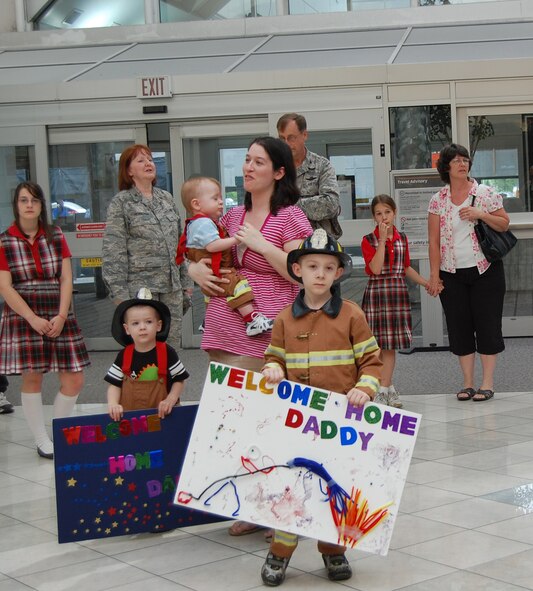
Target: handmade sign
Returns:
[[116, 478], [298, 459]]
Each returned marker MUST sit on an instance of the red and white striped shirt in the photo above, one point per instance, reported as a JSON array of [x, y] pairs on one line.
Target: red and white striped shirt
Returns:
[[224, 328]]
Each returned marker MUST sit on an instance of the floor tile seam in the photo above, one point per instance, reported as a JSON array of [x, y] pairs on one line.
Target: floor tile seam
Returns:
[[460, 569], [492, 492], [117, 554], [46, 570], [170, 572], [492, 577], [26, 480], [500, 535], [18, 581], [477, 527]]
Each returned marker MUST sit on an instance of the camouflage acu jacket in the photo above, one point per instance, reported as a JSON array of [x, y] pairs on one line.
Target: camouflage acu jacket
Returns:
[[140, 242], [320, 193]]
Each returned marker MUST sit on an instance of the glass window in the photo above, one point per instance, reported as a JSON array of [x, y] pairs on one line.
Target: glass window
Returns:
[[350, 153], [316, 6], [70, 14], [170, 13], [83, 179], [418, 134], [16, 165], [501, 147]]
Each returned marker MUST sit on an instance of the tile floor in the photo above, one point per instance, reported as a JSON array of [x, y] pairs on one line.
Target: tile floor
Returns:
[[465, 523]]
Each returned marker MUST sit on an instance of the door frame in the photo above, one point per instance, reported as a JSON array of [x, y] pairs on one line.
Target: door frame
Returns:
[[521, 223]]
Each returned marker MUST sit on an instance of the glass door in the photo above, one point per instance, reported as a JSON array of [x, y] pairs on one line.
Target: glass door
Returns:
[[501, 144], [17, 164], [215, 150], [83, 171]]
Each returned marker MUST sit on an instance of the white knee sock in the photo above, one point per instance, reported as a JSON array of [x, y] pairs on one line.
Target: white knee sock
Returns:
[[32, 405], [64, 405]]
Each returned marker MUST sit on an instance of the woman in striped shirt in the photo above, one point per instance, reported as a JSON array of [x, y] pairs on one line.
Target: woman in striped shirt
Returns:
[[267, 226]]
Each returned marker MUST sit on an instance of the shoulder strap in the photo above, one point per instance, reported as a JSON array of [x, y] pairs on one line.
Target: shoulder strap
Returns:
[[162, 360], [127, 359]]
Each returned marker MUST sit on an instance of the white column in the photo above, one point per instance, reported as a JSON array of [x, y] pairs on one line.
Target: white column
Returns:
[[151, 12]]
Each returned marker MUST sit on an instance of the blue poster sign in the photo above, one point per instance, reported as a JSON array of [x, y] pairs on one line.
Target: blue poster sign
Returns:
[[118, 478]]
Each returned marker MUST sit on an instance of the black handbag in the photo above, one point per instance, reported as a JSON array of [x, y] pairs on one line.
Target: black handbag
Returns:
[[495, 245]]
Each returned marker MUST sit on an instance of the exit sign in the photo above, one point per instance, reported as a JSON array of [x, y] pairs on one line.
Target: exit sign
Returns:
[[154, 87]]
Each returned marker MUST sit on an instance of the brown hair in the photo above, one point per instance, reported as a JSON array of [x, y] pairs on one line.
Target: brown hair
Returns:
[[385, 200], [124, 179], [191, 187], [284, 120], [36, 191], [447, 154]]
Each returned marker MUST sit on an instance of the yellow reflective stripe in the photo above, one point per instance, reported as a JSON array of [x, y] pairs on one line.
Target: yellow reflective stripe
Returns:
[[365, 347], [277, 351], [241, 288], [285, 538], [320, 358], [369, 382]]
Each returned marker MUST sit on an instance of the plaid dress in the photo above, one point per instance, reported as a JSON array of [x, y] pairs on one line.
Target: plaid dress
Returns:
[[21, 348], [386, 299]]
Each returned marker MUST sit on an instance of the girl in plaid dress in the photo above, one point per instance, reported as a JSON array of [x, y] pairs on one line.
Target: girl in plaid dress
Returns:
[[38, 333], [386, 299]]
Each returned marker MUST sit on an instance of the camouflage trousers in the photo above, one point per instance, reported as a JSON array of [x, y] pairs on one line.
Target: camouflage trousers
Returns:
[[174, 301]]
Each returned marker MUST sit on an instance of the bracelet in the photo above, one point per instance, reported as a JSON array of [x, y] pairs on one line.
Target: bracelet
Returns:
[[382, 241], [61, 316]]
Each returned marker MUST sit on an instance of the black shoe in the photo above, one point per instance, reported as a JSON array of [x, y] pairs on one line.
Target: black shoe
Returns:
[[273, 571], [338, 567]]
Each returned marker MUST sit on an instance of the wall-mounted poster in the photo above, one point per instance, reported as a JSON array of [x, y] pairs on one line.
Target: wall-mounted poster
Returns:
[[298, 459], [118, 478], [412, 191]]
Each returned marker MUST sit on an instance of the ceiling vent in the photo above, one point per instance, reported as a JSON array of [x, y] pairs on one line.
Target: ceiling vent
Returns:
[[72, 16]]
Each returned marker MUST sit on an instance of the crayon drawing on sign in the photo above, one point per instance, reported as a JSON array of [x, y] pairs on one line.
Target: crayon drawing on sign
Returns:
[[296, 458]]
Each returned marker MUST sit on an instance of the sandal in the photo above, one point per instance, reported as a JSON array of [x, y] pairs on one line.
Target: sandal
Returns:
[[243, 528], [273, 571], [465, 394], [483, 395], [338, 567]]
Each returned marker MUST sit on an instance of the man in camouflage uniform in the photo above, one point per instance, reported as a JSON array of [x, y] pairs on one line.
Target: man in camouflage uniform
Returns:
[[139, 250], [315, 176]]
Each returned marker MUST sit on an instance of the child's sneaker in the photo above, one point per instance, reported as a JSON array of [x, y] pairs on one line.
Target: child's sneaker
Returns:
[[258, 325], [338, 567], [394, 398], [273, 571], [382, 397], [5, 406]]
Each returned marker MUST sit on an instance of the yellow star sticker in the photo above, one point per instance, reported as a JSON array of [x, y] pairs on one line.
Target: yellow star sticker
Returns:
[[119, 480], [114, 524], [107, 531], [71, 482], [97, 520]]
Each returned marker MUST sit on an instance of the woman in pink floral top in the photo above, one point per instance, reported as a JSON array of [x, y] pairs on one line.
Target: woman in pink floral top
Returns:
[[474, 289]]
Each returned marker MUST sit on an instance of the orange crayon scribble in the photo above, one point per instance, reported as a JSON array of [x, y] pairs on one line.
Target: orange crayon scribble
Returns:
[[356, 521]]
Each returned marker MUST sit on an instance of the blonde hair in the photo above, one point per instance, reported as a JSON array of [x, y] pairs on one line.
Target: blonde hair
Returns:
[[191, 189]]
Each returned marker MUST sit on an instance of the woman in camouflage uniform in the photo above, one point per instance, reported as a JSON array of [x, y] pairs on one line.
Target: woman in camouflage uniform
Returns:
[[142, 232]]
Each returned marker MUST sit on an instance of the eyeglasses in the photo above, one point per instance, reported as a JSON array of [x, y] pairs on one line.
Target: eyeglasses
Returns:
[[26, 200], [460, 161]]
